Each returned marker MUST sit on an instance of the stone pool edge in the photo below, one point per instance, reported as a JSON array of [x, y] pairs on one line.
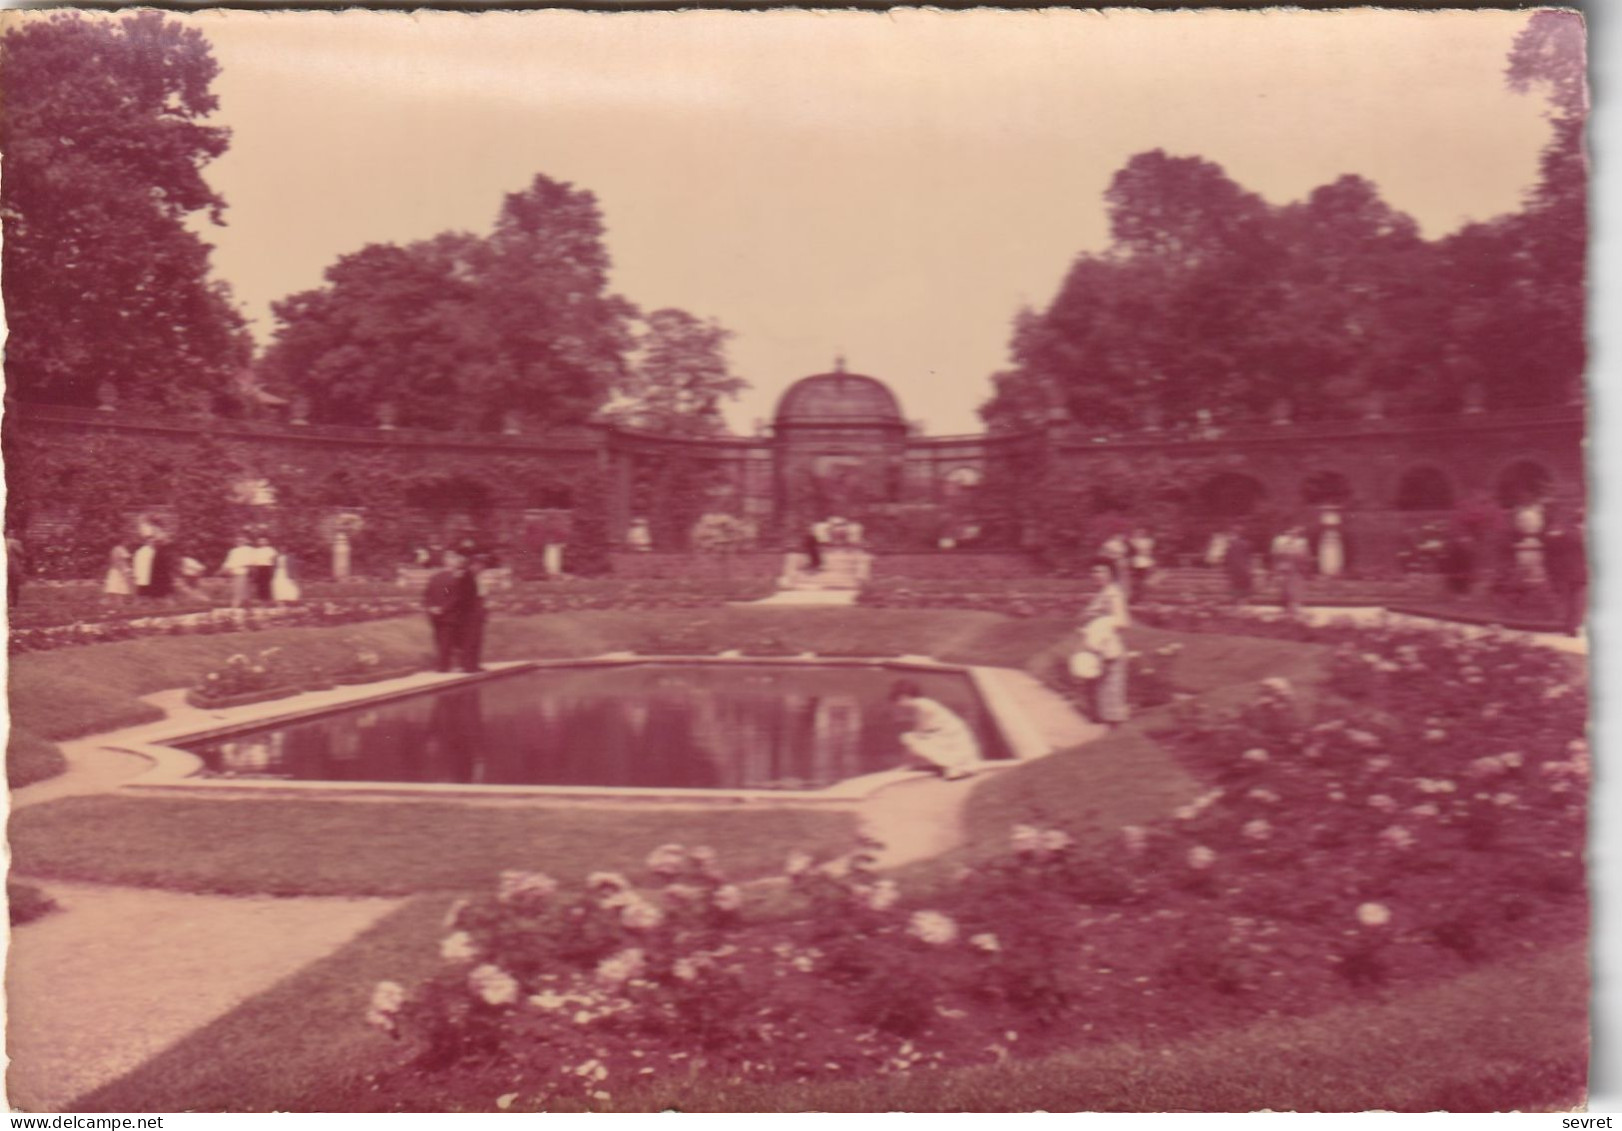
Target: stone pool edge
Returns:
[[172, 770]]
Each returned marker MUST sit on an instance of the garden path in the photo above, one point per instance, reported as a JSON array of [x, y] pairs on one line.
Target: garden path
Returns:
[[119, 974], [91, 768], [807, 597]]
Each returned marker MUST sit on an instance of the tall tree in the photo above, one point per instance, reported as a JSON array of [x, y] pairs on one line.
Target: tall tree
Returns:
[[101, 128], [396, 325], [1550, 55], [543, 278], [460, 331], [680, 376]]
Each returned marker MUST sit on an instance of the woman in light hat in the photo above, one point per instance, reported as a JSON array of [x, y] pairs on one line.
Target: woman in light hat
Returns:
[[1102, 657]]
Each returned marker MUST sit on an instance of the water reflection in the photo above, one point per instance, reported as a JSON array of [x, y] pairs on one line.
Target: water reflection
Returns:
[[657, 726]]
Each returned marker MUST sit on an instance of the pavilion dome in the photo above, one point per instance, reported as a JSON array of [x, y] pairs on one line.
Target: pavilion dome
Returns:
[[839, 398]]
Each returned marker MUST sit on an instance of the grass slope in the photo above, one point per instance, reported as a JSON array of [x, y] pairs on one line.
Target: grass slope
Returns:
[[30, 758], [286, 846]]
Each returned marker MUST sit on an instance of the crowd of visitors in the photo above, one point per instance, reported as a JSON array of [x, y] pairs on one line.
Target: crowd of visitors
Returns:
[[154, 570]]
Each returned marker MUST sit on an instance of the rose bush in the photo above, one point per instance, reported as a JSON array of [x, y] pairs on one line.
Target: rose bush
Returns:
[[243, 675]]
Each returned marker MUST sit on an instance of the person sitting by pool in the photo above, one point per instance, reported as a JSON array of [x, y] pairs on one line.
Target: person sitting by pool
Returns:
[[937, 737]]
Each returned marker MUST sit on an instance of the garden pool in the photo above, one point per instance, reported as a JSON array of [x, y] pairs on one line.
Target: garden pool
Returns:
[[656, 725]]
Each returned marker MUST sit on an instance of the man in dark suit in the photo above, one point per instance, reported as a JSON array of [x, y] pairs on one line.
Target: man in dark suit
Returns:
[[456, 612], [471, 641]]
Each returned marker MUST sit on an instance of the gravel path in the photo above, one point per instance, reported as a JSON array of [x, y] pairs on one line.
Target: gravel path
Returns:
[[119, 974]]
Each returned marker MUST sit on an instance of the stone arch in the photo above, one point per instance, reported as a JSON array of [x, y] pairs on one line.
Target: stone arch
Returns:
[[960, 484], [1232, 494], [1424, 488], [1522, 482], [1326, 487], [449, 506]]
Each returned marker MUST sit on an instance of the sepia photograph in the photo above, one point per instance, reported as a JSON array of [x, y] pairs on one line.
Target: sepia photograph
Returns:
[[796, 561]]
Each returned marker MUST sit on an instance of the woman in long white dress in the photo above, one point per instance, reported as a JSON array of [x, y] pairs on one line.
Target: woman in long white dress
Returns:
[[120, 572], [283, 587], [1102, 621], [937, 736], [236, 566]]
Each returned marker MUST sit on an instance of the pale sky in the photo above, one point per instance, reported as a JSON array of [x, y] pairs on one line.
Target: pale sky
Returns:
[[887, 186]]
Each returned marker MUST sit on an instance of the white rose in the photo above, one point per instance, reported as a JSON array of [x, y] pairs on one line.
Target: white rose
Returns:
[[640, 915], [883, 895], [797, 864], [493, 984], [1373, 914], [388, 997], [457, 947], [667, 859], [932, 927], [621, 966]]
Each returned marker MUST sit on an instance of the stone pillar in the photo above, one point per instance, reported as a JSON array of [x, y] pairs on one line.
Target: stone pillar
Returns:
[[1331, 545], [340, 556]]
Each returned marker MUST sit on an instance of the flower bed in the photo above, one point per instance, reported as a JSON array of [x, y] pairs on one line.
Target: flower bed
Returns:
[[1203, 611], [1425, 817], [245, 679], [206, 702], [529, 601]]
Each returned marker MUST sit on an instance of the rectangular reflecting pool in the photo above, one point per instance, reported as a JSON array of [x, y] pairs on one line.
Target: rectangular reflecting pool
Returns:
[[641, 725]]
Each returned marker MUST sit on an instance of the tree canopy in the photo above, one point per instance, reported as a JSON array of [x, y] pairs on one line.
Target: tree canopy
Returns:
[[1209, 301], [463, 331], [104, 142], [679, 377]]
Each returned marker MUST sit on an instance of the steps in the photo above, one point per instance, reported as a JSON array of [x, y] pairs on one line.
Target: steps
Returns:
[[842, 570]]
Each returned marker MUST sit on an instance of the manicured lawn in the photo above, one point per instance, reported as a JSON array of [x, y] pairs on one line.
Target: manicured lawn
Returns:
[[30, 758], [296, 847]]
